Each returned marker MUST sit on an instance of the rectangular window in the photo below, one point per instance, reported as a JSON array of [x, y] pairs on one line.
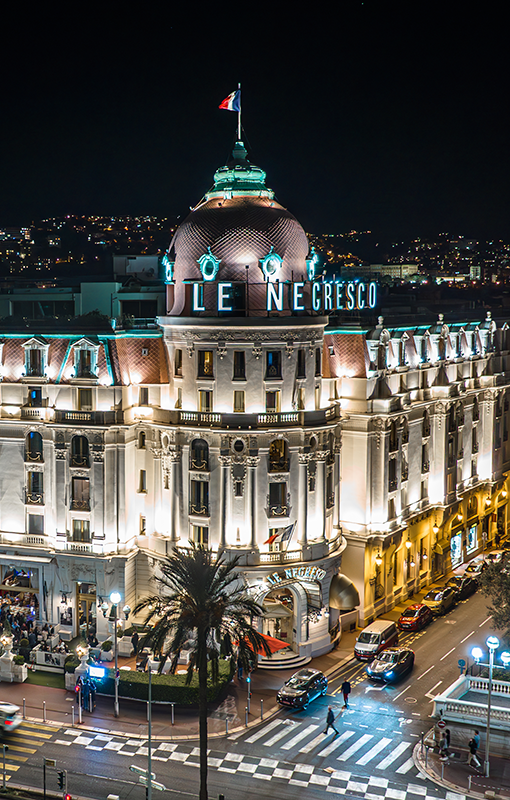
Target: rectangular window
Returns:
[[178, 363], [472, 538], [81, 494], [35, 397], [35, 524], [205, 400], [33, 363], [143, 400], [239, 401], [143, 526], [301, 399], [239, 365], [143, 481], [395, 568], [317, 397], [273, 365], [278, 495], [392, 474], [35, 482], [178, 400], [273, 401], [199, 498], [84, 364], [81, 530], [200, 535], [205, 364], [318, 362], [301, 364], [238, 489], [84, 399]]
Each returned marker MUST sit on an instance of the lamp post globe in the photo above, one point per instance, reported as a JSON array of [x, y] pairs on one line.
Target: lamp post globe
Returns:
[[492, 643], [477, 653], [115, 598]]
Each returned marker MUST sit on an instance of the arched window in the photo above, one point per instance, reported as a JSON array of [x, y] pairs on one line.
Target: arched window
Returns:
[[199, 454], [278, 456], [80, 452], [34, 447], [142, 437]]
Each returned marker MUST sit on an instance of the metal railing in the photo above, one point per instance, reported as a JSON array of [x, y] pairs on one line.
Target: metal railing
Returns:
[[34, 498]]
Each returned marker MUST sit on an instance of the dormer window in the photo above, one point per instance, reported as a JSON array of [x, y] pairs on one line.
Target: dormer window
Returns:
[[36, 358], [85, 359]]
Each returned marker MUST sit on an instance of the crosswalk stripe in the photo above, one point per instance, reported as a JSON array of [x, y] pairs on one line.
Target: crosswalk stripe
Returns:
[[37, 725], [406, 766], [336, 743], [37, 734], [399, 749], [18, 748], [12, 757], [355, 747], [12, 767], [263, 731], [313, 743], [279, 735], [299, 737], [373, 752]]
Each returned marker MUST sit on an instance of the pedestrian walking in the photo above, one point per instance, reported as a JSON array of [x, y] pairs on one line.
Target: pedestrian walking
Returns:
[[443, 748], [448, 735], [346, 690], [473, 745], [330, 720]]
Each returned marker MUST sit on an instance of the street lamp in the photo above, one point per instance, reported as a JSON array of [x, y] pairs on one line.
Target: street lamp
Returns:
[[114, 600], [492, 644]]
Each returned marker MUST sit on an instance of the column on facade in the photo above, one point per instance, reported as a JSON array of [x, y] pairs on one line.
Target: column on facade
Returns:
[[252, 463], [303, 499], [225, 462], [336, 485], [320, 489], [158, 486], [174, 486]]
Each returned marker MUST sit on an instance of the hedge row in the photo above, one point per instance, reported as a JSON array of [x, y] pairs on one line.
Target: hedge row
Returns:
[[165, 688]]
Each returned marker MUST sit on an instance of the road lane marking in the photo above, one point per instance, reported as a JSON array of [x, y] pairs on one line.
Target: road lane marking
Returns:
[[466, 637], [336, 743], [373, 752], [296, 739], [431, 693], [425, 673], [447, 654], [402, 692], [355, 747], [485, 620], [263, 731], [395, 753]]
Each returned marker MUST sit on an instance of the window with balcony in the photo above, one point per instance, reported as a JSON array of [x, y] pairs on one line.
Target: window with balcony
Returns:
[[239, 401], [35, 524], [34, 362], [35, 397], [205, 364], [199, 498], [178, 363], [301, 364], [273, 365], [199, 455], [81, 531], [200, 535], [205, 400], [279, 456], [80, 500], [273, 401], [318, 362], [278, 506], [80, 452], [34, 494], [239, 365], [34, 447], [85, 359], [84, 399]]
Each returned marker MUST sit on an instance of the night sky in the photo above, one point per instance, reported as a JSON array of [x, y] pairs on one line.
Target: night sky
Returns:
[[385, 116]]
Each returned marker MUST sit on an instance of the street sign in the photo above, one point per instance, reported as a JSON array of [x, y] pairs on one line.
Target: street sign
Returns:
[[155, 785], [461, 662], [441, 724], [140, 771], [50, 762]]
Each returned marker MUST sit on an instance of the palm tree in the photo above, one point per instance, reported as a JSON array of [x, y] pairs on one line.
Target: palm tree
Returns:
[[204, 602]]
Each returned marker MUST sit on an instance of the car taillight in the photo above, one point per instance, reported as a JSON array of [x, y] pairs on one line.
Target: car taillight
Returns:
[[8, 721]]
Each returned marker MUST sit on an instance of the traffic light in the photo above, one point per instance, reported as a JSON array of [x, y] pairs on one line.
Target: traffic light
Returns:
[[61, 776], [68, 797]]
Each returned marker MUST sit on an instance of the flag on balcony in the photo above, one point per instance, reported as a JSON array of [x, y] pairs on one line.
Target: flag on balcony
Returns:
[[284, 535]]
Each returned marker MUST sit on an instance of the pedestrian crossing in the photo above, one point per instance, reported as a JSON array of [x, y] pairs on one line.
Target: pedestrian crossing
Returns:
[[23, 743], [349, 746]]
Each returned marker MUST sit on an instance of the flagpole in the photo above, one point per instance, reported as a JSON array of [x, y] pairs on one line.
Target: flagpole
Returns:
[[239, 115]]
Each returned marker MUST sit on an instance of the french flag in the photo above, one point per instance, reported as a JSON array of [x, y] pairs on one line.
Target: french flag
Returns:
[[232, 102]]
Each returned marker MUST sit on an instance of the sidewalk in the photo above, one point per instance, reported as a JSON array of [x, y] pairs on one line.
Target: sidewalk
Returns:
[[456, 776], [133, 714]]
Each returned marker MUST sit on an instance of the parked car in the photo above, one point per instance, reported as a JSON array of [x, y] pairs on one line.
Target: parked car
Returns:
[[302, 688], [415, 618], [463, 585], [10, 717], [391, 664], [377, 636], [497, 556], [476, 567], [441, 599]]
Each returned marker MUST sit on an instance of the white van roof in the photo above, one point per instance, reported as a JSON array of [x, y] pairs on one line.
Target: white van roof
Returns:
[[379, 625]]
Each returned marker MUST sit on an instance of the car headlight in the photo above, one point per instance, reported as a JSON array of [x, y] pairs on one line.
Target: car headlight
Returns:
[[369, 670], [388, 674]]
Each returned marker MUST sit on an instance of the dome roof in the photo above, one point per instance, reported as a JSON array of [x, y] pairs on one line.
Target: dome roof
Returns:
[[237, 233]]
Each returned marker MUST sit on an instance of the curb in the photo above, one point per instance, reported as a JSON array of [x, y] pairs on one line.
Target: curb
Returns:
[[460, 790]]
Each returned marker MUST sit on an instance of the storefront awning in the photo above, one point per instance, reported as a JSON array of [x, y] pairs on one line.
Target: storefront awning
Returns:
[[273, 644], [442, 546], [343, 594]]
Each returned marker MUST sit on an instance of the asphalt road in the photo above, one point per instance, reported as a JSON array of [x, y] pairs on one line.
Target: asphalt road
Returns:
[[288, 754]]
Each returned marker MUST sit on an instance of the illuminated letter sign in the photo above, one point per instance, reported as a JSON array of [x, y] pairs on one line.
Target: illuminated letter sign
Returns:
[[316, 297], [224, 297], [274, 295], [297, 297], [328, 305], [361, 295], [351, 302], [198, 297], [372, 294]]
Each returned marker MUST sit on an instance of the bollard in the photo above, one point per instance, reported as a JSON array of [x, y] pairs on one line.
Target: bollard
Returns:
[[442, 770], [147, 712], [246, 716], [226, 726], [44, 710], [24, 715], [426, 755], [422, 734], [249, 703], [261, 709], [469, 782], [173, 706], [79, 714], [72, 716]]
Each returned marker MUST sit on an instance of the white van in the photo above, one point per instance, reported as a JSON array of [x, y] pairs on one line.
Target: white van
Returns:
[[10, 717], [377, 636]]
